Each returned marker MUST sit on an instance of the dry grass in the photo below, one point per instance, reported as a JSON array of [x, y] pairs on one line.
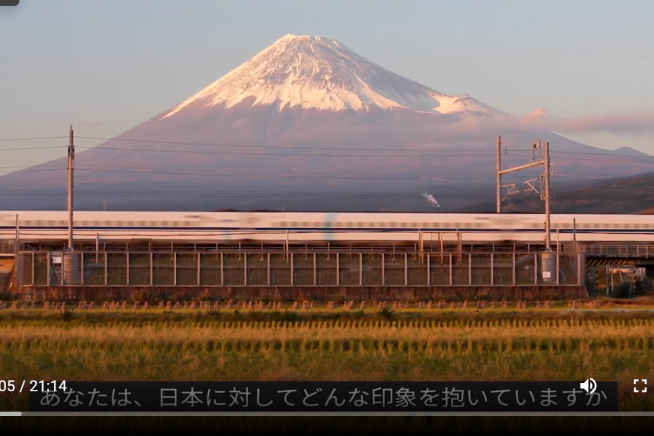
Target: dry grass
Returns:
[[428, 345]]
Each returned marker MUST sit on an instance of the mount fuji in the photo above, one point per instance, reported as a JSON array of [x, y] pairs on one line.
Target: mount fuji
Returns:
[[306, 120]]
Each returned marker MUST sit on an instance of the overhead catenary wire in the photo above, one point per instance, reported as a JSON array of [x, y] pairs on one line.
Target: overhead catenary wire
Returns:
[[293, 147], [460, 152]]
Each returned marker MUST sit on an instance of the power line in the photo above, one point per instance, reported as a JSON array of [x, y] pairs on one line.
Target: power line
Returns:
[[31, 139], [369, 156], [32, 148], [326, 148], [459, 152]]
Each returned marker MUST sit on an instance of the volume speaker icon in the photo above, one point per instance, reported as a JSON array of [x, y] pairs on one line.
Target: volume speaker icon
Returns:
[[589, 385]]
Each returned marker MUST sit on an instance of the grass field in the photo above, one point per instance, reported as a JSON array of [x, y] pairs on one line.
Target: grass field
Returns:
[[333, 344]]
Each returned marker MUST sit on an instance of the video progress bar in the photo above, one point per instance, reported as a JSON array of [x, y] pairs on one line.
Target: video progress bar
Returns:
[[327, 414]]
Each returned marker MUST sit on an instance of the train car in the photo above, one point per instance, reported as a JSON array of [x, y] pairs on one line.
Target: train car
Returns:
[[323, 226]]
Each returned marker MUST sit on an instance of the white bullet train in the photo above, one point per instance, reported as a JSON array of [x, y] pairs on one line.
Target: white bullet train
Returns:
[[324, 226]]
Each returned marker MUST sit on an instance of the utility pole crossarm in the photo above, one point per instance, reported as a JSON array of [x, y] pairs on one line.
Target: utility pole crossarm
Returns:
[[523, 167]]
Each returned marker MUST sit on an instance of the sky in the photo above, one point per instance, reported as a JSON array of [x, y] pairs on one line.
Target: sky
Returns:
[[105, 67]]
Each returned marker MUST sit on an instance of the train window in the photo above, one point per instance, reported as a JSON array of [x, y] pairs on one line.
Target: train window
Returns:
[[39, 223]]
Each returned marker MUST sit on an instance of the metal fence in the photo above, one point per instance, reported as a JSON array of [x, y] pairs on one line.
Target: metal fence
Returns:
[[352, 269], [620, 250], [7, 248]]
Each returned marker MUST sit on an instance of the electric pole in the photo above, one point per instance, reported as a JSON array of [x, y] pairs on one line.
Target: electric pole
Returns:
[[545, 195], [546, 180], [71, 164], [499, 174]]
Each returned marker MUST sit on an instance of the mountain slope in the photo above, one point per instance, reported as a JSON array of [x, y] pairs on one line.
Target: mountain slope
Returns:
[[321, 73], [306, 115]]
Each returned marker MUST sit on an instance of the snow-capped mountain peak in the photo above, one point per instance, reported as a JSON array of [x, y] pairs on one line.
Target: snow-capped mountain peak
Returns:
[[321, 73]]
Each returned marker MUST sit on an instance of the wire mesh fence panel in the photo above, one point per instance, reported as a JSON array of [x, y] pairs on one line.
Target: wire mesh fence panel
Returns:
[[481, 269], [25, 261], [140, 269], [395, 269], [525, 269], [41, 269], [280, 269], [234, 269], [94, 269], [7, 247], [373, 274], [568, 269], [186, 268], [326, 269], [257, 269], [439, 265], [163, 269], [117, 269], [349, 268], [210, 269], [460, 269], [303, 269], [503, 269], [417, 271]]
